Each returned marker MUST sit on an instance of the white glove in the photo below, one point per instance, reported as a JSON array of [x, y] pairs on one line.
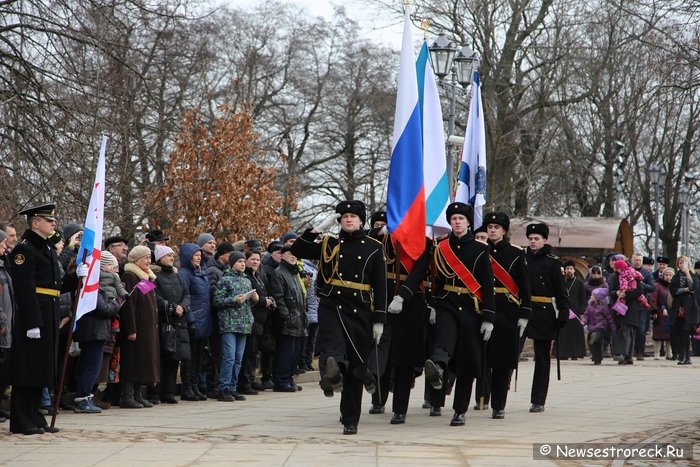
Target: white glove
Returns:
[[377, 331], [82, 270], [585, 329], [522, 324], [432, 315], [396, 305], [34, 333], [384, 230], [486, 329], [327, 223]]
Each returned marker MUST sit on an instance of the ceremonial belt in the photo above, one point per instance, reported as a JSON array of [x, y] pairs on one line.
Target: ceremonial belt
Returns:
[[351, 285], [392, 276], [463, 290], [505, 278], [51, 292], [505, 291], [538, 299], [460, 269]]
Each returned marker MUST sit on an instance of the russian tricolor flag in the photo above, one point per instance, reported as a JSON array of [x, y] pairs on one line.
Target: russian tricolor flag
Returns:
[[91, 244], [406, 193]]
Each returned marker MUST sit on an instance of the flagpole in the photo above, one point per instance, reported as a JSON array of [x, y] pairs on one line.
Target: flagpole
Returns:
[[71, 323]]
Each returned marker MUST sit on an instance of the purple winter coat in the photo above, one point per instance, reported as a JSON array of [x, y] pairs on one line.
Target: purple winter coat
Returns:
[[597, 315]]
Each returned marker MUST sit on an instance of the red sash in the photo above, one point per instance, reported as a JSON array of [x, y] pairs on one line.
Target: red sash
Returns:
[[460, 269], [503, 276]]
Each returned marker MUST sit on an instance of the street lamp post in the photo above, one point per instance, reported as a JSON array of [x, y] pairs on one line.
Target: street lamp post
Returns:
[[459, 64], [657, 174], [683, 195]]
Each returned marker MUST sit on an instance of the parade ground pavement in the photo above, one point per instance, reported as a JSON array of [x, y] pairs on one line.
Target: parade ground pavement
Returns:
[[608, 403]]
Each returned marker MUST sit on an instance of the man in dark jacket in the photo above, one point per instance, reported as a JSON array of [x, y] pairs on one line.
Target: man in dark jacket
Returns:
[[513, 308], [352, 309], [36, 280], [291, 320], [550, 308], [464, 301], [268, 341], [647, 287]]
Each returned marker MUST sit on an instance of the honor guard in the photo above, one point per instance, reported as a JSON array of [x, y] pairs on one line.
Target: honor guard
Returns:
[[513, 309], [405, 324], [351, 284], [36, 279], [550, 307], [464, 300]]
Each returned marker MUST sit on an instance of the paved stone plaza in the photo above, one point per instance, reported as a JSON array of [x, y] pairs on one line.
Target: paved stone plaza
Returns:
[[650, 400]]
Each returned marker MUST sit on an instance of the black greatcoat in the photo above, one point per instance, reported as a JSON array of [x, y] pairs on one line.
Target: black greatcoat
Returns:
[[546, 280], [34, 264], [503, 347], [346, 314], [456, 313], [407, 327]]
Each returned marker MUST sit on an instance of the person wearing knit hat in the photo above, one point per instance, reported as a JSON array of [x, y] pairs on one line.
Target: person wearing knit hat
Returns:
[[207, 243], [161, 251], [289, 238], [138, 336], [6, 313], [550, 308], [232, 299], [222, 249], [56, 239], [110, 283]]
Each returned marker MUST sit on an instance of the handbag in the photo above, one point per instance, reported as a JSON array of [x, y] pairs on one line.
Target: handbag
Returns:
[[168, 337], [681, 313], [620, 307]]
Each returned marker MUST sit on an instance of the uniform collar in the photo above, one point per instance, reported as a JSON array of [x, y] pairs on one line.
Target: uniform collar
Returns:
[[359, 233], [545, 250]]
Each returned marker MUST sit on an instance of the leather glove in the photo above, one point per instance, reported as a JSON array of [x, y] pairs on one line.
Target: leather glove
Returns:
[[486, 329], [432, 315], [327, 223], [522, 324], [396, 305], [377, 331], [82, 270], [34, 333]]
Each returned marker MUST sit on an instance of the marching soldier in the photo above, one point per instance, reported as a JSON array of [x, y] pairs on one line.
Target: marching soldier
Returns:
[[406, 323], [550, 307], [352, 309], [464, 301], [513, 308], [36, 279]]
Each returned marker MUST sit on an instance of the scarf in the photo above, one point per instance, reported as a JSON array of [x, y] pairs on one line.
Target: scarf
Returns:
[[140, 273]]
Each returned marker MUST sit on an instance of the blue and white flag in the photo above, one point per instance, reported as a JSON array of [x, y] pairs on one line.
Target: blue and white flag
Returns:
[[471, 186], [437, 193], [91, 244]]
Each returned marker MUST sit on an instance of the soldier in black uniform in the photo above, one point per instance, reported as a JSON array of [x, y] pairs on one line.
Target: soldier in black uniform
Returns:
[[352, 310], [464, 301], [36, 279], [406, 324], [513, 309], [550, 307]]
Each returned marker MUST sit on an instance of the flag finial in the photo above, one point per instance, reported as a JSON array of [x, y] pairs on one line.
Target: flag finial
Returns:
[[425, 24]]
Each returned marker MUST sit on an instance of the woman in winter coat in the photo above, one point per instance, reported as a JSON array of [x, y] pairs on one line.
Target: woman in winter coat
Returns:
[[173, 299], [138, 338], [199, 319], [595, 281], [628, 323], [659, 314], [683, 315], [261, 310], [232, 298], [92, 330], [7, 304], [597, 321]]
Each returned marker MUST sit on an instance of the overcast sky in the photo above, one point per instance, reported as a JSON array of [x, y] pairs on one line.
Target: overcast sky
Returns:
[[376, 25]]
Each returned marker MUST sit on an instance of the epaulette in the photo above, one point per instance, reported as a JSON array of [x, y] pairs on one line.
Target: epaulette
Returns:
[[553, 256], [375, 240], [518, 247]]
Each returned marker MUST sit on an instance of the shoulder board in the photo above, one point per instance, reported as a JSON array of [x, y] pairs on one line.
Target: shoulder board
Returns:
[[518, 247], [375, 240], [553, 256]]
